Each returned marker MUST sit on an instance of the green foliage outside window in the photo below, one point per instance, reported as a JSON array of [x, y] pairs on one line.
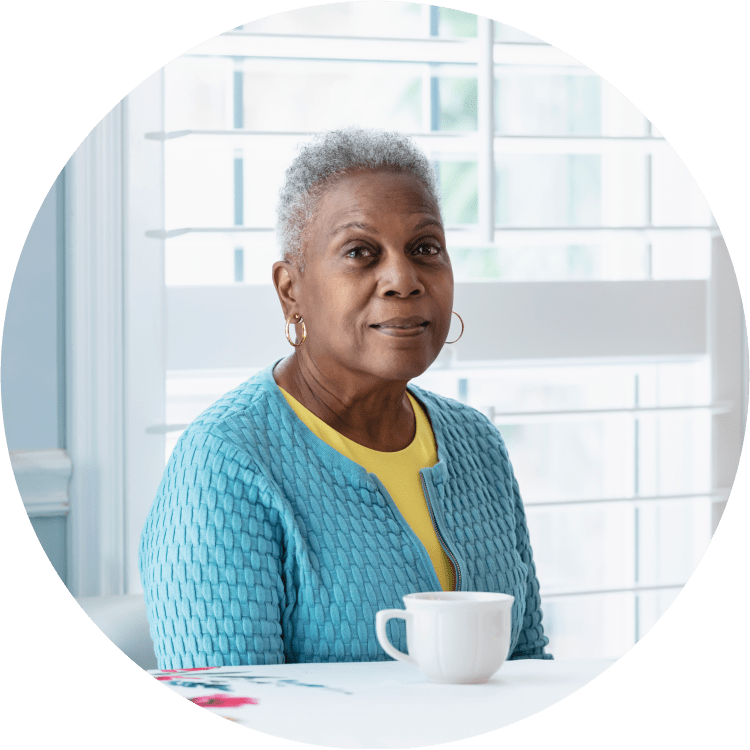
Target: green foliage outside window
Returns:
[[458, 186], [457, 23]]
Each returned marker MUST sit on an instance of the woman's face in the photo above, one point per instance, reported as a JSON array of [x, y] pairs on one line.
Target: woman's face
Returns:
[[377, 289]]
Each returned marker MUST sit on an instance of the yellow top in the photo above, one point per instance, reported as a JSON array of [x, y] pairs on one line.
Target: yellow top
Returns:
[[399, 473]]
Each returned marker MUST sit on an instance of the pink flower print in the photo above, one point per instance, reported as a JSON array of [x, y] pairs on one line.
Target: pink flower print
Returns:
[[219, 700], [175, 674]]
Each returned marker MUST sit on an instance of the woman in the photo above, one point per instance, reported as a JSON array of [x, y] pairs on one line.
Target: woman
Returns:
[[322, 489]]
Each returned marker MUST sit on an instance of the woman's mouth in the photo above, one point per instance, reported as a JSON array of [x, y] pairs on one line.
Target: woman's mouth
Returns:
[[412, 326]]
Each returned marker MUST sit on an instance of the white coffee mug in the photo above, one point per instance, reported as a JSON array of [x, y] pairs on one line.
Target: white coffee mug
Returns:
[[452, 636]]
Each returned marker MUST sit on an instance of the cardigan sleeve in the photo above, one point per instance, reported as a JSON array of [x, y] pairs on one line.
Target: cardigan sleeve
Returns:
[[210, 560], [531, 640]]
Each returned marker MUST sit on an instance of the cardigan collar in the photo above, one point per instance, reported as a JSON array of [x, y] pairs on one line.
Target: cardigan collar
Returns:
[[269, 386]]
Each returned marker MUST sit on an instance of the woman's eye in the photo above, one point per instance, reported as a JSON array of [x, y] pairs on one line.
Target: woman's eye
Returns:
[[426, 250], [359, 252]]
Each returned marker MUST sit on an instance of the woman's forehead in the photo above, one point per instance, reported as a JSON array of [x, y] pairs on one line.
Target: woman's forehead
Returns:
[[372, 192]]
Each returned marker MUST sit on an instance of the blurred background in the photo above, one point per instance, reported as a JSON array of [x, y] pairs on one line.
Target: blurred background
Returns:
[[605, 335]]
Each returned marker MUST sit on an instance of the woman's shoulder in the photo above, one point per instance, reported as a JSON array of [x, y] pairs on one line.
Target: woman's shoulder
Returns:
[[458, 417], [449, 408], [243, 416]]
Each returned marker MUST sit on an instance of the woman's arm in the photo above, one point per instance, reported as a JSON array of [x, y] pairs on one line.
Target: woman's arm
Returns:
[[210, 560], [531, 640]]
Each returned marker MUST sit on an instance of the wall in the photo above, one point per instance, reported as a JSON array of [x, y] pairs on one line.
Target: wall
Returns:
[[32, 365]]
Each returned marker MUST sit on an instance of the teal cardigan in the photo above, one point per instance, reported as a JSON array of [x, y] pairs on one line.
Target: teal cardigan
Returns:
[[264, 545]]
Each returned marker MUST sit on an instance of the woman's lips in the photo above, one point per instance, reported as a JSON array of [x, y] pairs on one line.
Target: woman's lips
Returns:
[[401, 331]]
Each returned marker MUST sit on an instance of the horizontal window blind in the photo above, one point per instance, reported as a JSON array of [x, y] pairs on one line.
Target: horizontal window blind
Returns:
[[213, 327]]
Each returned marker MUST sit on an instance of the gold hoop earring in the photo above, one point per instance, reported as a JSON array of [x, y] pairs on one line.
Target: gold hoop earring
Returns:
[[462, 328], [286, 330]]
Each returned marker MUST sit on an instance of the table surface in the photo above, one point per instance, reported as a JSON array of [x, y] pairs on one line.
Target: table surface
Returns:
[[376, 704]]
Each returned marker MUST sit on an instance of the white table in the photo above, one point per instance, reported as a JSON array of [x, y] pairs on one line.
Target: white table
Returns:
[[377, 704]]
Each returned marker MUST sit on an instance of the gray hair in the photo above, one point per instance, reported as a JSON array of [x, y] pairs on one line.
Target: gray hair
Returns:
[[332, 155]]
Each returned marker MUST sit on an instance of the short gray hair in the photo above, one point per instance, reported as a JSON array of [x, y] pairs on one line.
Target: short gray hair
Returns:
[[332, 155]]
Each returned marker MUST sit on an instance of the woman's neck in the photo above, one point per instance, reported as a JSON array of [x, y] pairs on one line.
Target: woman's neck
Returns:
[[375, 414]]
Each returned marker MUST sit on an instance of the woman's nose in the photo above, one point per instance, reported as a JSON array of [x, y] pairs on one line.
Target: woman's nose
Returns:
[[399, 277]]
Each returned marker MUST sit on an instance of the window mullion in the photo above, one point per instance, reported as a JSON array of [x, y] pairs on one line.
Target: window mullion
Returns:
[[486, 128]]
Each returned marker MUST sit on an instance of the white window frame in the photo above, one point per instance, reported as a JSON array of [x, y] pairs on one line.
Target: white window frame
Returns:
[[94, 395]]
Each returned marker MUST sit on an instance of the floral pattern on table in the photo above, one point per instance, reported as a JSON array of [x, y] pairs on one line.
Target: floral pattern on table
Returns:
[[226, 689], [223, 680]]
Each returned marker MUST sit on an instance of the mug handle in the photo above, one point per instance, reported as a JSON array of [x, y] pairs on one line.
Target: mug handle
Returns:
[[381, 618]]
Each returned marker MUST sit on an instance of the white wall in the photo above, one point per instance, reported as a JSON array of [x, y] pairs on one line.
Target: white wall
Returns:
[[32, 367], [32, 386]]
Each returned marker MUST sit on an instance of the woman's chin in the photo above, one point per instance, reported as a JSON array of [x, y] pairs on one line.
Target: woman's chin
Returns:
[[402, 365]]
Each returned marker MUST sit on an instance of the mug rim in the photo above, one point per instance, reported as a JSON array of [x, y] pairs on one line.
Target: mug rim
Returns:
[[454, 598]]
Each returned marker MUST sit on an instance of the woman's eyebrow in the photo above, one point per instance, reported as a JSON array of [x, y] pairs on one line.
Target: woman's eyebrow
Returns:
[[368, 228], [352, 225], [428, 223]]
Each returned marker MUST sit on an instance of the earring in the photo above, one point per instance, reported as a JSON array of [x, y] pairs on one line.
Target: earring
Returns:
[[286, 330], [462, 328]]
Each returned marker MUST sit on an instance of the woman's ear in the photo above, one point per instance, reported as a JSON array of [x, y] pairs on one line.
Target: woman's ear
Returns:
[[284, 276]]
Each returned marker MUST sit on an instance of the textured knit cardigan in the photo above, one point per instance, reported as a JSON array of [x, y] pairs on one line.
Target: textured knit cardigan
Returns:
[[264, 545]]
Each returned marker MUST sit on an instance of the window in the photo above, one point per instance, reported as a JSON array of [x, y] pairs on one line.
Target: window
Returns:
[[582, 252]]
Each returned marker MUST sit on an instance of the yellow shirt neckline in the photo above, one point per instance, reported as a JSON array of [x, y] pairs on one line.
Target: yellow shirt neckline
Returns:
[[311, 418]]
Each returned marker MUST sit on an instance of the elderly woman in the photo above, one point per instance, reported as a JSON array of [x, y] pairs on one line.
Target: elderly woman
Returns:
[[323, 489]]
